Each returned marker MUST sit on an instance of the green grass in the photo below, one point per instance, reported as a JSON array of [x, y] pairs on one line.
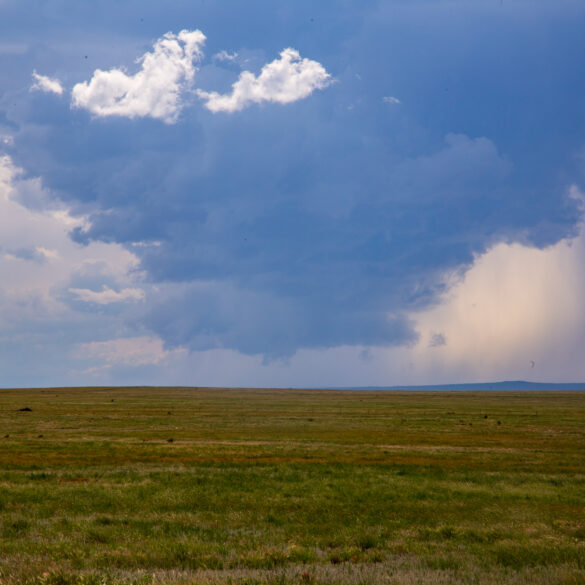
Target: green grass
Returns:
[[278, 487]]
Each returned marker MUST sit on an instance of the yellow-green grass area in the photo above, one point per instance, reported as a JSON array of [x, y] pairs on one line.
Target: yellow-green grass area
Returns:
[[248, 486]]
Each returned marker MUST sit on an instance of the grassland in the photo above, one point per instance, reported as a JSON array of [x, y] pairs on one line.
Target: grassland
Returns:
[[169, 486]]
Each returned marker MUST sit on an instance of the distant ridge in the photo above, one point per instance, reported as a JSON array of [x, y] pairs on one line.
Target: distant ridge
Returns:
[[502, 386]]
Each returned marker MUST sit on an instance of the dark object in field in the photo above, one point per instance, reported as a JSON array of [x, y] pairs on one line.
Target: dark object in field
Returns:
[[6, 436], [485, 416], [112, 400], [40, 437], [170, 440], [25, 409], [499, 422], [169, 412]]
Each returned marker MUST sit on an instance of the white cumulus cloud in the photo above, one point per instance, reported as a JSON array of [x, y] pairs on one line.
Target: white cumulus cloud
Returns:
[[46, 84], [108, 295], [155, 91], [284, 80]]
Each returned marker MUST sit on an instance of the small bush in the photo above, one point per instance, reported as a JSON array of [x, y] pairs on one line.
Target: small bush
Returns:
[[367, 541]]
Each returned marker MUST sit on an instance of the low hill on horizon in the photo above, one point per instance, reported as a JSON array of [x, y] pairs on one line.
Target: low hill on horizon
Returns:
[[508, 385]]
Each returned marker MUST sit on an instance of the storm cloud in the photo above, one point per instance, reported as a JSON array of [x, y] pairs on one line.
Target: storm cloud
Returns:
[[279, 200]]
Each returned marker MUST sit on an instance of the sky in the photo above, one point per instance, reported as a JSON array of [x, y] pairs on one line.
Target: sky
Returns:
[[292, 194]]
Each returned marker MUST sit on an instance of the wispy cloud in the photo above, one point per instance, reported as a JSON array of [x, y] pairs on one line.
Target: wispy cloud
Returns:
[[437, 340], [284, 80], [107, 295], [225, 56], [46, 84], [390, 99], [154, 91], [34, 254]]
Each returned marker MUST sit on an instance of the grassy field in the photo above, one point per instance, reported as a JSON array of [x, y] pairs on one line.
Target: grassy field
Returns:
[[169, 486]]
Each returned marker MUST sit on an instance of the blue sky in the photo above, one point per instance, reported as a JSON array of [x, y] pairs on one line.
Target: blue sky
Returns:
[[291, 193]]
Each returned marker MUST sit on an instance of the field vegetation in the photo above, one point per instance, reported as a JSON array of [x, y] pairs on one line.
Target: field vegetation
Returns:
[[252, 487]]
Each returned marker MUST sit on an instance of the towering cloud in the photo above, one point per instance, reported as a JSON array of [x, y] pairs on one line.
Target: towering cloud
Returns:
[[282, 81], [155, 91]]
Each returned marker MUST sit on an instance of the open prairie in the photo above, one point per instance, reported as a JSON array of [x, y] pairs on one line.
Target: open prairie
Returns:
[[178, 485]]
